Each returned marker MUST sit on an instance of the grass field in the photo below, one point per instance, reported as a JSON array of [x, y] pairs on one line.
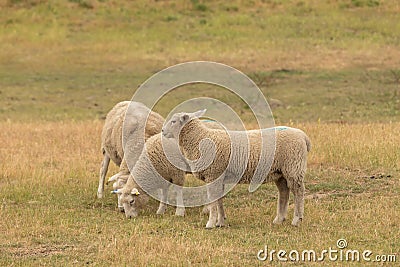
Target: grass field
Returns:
[[334, 66]]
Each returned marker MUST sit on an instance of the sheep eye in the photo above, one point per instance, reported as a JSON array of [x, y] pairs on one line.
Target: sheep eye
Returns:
[[132, 201], [172, 122]]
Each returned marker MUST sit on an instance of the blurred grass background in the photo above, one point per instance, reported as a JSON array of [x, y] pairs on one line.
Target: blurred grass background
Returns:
[[327, 60]]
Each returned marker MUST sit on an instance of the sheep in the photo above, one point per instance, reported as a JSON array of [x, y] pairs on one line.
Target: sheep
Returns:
[[151, 161], [111, 136], [287, 170]]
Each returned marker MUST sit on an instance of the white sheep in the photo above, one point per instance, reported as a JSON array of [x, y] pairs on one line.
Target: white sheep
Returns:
[[153, 161], [111, 136], [287, 171]]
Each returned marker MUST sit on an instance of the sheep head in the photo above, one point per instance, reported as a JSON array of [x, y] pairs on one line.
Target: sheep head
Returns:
[[132, 201], [173, 127], [119, 182]]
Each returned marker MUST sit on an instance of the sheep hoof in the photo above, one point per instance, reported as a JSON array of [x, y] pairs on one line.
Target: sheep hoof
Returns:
[[161, 211], [297, 221], [180, 212], [220, 224], [210, 225], [278, 220]]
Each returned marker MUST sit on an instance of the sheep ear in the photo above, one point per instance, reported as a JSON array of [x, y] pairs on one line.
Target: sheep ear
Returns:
[[135, 192], [199, 113], [184, 118]]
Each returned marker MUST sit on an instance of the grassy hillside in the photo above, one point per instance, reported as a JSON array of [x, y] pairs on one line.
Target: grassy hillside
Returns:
[[332, 61], [333, 65]]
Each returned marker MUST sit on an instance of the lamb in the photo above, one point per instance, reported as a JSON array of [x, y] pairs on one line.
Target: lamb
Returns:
[[153, 161], [111, 136], [287, 170]]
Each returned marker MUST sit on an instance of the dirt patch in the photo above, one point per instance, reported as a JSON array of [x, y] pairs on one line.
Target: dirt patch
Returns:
[[317, 196], [38, 251], [377, 176]]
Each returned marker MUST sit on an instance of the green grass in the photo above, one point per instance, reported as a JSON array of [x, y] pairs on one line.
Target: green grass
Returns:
[[328, 96], [138, 37], [334, 65], [331, 61]]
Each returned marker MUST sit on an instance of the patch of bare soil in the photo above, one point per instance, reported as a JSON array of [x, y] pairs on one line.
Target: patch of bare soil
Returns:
[[317, 196], [38, 251]]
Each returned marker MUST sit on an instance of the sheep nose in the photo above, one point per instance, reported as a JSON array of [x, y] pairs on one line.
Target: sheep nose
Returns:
[[162, 130]]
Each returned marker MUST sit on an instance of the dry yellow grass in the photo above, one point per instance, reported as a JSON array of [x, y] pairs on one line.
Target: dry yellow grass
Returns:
[[49, 152], [50, 214], [364, 147]]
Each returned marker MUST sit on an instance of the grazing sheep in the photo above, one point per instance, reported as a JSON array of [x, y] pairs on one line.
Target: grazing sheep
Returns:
[[111, 136], [287, 171], [153, 159]]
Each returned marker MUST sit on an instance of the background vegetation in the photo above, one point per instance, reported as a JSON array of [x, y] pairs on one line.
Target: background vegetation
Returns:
[[331, 68]]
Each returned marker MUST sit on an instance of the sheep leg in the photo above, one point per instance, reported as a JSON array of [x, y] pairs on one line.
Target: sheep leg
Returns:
[[283, 200], [180, 208], [215, 191], [103, 172], [212, 218], [298, 192], [119, 183], [205, 210], [120, 206], [221, 213], [163, 206]]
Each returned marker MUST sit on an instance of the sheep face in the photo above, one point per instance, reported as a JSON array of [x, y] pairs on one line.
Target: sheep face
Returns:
[[132, 202], [119, 182], [118, 185], [173, 127]]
